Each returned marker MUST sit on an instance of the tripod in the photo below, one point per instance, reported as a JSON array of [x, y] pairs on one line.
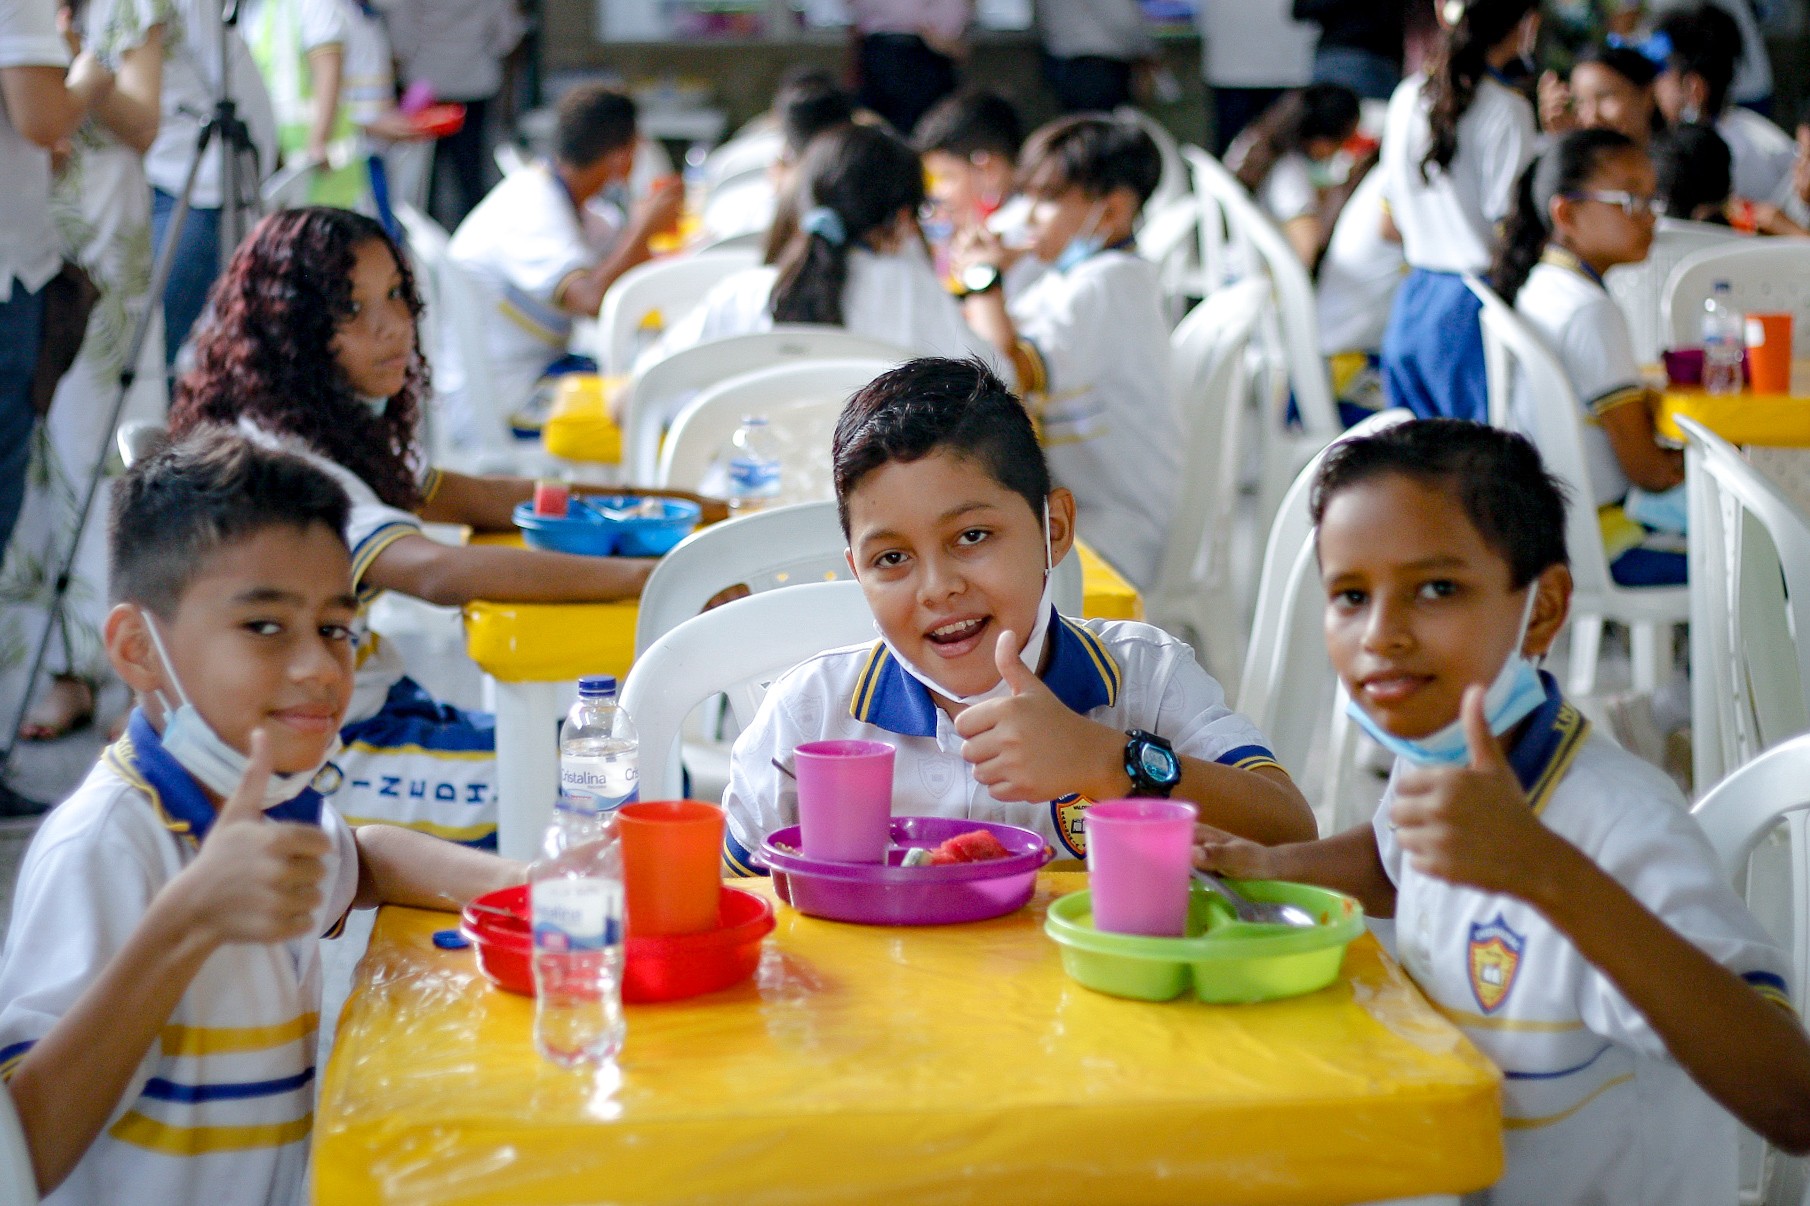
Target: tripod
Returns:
[[239, 202]]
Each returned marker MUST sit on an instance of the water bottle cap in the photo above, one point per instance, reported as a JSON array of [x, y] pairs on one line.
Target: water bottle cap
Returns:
[[593, 685]]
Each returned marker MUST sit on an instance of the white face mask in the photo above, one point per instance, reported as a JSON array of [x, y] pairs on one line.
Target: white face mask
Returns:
[[377, 405], [1031, 655], [200, 751]]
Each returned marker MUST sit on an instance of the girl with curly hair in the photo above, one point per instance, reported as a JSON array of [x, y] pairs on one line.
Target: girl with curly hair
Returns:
[[313, 347], [1454, 143]]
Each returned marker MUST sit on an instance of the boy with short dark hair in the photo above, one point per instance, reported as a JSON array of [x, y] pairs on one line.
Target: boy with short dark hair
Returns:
[[1551, 894], [160, 990], [970, 143], [1000, 708], [1088, 338]]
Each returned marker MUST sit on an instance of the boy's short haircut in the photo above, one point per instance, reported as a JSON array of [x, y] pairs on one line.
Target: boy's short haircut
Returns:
[[171, 511], [808, 108], [1692, 168], [592, 121], [1704, 41], [971, 122], [1095, 154], [938, 405], [1516, 505]]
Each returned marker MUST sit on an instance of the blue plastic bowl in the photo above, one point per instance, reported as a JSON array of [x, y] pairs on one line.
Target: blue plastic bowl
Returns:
[[582, 531], [651, 535]]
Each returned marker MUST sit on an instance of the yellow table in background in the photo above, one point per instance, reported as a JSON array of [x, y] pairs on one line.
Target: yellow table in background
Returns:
[[534, 651], [1747, 418], [943, 1064]]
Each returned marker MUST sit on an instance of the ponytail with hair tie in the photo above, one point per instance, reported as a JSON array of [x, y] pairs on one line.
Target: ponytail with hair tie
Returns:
[[1458, 66], [825, 223]]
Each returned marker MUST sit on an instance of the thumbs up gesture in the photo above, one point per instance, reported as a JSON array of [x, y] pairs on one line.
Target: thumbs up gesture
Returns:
[[1028, 745], [1470, 824], [256, 880]]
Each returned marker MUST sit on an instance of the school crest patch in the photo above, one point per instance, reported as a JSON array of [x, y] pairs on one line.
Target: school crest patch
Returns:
[[1065, 815], [937, 775], [1495, 956]]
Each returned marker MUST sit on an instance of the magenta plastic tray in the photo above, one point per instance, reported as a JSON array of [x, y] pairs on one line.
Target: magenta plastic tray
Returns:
[[890, 894]]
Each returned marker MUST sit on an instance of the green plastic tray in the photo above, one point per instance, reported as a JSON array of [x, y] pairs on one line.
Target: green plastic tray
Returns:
[[1226, 961]]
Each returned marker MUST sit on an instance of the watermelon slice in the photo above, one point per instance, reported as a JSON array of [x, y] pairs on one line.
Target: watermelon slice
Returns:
[[975, 846]]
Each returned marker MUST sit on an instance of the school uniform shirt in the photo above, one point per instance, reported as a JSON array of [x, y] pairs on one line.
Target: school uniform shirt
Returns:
[[1594, 1108], [28, 241], [518, 244], [369, 87], [284, 33], [408, 760], [1123, 674], [1104, 403], [1359, 274], [220, 1108], [458, 46], [191, 75], [1254, 44], [1448, 222], [1760, 155], [1288, 191]]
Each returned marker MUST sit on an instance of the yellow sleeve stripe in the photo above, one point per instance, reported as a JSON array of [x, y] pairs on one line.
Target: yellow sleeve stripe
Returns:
[[1615, 399], [431, 483], [464, 834], [224, 1040], [1033, 372], [375, 543], [1765, 990], [1256, 761], [736, 867], [142, 1131]]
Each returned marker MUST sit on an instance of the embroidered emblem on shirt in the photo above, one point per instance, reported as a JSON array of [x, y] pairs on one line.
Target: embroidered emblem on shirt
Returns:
[[1066, 814], [937, 775], [1495, 956]]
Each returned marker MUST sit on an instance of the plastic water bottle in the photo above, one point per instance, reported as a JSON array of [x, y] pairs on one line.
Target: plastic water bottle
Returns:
[[598, 748], [1723, 340], [575, 896], [753, 463]]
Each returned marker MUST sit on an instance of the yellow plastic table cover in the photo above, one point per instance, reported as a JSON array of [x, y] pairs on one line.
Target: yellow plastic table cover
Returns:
[[1768, 420], [553, 642], [865, 1064], [579, 426]]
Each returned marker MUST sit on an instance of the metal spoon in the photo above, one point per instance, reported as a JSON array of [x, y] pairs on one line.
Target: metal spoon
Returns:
[[1260, 912]]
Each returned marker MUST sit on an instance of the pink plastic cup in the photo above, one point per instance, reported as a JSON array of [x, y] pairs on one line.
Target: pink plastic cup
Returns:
[[844, 799], [1138, 857]]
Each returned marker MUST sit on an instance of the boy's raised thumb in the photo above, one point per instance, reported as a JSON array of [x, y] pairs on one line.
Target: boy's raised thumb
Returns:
[[247, 801], [1486, 751], [1012, 670]]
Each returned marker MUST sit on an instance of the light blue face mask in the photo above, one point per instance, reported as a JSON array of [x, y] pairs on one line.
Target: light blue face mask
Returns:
[[1513, 696], [377, 405], [1087, 241]]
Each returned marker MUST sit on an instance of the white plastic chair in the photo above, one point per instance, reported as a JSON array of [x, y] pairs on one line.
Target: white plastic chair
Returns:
[[1750, 593], [737, 650], [740, 155], [466, 318], [288, 188], [1762, 275], [1515, 354], [1174, 181], [18, 1183], [410, 166], [1738, 816], [801, 403], [666, 287], [139, 439], [510, 158], [426, 241], [1288, 688], [1169, 238], [1195, 593], [1637, 288], [659, 392]]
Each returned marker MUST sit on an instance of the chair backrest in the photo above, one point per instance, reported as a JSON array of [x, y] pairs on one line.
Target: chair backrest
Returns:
[[1750, 608], [467, 315], [18, 1183], [736, 650], [1637, 288], [661, 391], [411, 168], [1516, 358], [741, 155], [509, 157], [1173, 182], [1169, 238], [801, 403], [666, 287], [1762, 274], [289, 187], [139, 439], [752, 242]]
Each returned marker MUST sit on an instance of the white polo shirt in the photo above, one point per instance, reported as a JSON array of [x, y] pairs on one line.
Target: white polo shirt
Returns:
[[1448, 222], [1288, 191], [1359, 274], [1760, 155], [1566, 303], [221, 1107], [1107, 414], [1594, 1109], [28, 241], [522, 240], [1123, 674]]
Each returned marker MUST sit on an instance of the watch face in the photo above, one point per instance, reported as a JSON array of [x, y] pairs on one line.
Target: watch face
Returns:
[[979, 277], [1158, 763]]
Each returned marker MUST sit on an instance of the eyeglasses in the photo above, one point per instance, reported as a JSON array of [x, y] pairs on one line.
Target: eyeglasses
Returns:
[[1631, 204]]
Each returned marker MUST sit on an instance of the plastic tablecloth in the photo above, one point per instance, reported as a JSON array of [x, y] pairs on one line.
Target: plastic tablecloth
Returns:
[[954, 1064], [1761, 420]]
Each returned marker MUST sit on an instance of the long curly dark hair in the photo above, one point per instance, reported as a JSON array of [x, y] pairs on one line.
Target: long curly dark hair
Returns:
[[267, 353]]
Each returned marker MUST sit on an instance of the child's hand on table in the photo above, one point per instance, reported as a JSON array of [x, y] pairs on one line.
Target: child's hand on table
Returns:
[[1029, 746], [1228, 854], [1471, 824], [256, 880]]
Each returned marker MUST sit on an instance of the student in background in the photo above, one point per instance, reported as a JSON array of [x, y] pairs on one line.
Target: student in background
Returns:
[[1694, 180], [1361, 43], [300, 49], [1354, 291], [970, 144], [1251, 53], [908, 52], [1454, 143], [804, 110], [1091, 49], [1701, 47], [1611, 88], [1280, 158]]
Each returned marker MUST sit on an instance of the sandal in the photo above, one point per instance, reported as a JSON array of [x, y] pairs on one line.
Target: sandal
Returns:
[[67, 707]]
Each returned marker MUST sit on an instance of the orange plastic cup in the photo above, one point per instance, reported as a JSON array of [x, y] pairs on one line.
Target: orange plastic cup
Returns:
[[671, 866], [1769, 352]]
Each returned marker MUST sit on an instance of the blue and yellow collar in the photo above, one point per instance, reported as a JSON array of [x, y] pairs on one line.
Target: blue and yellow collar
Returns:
[[139, 758], [1560, 257], [1081, 671], [1554, 735]]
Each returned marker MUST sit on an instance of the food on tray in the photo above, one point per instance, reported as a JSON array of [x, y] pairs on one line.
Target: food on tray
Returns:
[[975, 846]]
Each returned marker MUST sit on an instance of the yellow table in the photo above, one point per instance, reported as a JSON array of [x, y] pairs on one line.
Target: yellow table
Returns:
[[949, 1064], [532, 650], [1765, 420]]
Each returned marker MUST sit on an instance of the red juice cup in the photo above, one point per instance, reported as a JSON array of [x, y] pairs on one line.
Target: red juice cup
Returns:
[[844, 800], [672, 875], [1139, 854]]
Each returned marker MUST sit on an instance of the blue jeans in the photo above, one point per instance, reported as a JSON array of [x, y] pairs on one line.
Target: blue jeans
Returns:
[[21, 326], [1371, 76], [192, 275]]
